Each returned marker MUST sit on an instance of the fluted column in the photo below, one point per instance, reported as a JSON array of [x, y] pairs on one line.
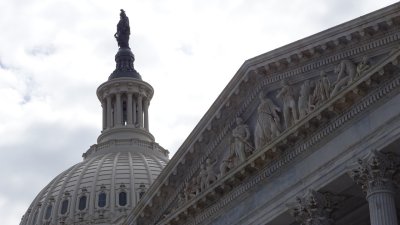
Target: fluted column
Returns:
[[109, 114], [375, 176], [140, 110], [146, 114], [118, 110], [129, 110]]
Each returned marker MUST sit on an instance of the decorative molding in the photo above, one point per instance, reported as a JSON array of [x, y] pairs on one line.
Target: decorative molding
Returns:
[[289, 156]]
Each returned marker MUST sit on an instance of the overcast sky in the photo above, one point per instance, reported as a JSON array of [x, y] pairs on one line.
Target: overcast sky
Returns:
[[55, 53]]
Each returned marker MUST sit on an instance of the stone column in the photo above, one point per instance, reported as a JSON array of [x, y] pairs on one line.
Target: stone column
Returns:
[[109, 114], [118, 110], [104, 108], [129, 110], [140, 110], [134, 109], [146, 114], [315, 208], [375, 176]]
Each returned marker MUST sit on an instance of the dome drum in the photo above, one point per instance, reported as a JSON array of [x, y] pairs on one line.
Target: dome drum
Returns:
[[125, 103]]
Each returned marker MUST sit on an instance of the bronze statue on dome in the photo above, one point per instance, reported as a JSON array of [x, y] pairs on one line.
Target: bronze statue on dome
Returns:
[[123, 31]]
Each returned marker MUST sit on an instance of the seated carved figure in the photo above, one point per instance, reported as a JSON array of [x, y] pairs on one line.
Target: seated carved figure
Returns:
[[346, 73]]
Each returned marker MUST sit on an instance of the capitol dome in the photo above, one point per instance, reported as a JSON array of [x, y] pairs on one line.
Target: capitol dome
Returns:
[[117, 171]]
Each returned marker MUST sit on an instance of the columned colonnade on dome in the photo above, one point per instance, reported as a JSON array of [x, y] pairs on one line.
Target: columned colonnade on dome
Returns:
[[125, 109]]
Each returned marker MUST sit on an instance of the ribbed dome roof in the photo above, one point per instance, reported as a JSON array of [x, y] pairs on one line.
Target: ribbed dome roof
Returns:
[[102, 188]]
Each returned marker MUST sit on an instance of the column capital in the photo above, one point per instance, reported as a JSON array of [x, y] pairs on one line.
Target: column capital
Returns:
[[375, 173], [315, 208]]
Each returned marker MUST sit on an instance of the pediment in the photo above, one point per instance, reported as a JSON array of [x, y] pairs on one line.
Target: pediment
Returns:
[[287, 101]]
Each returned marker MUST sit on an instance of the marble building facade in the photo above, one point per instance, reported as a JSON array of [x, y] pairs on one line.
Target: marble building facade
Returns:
[[308, 134]]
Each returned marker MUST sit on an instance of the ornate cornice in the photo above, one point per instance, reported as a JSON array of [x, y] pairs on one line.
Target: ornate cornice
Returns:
[[235, 183]]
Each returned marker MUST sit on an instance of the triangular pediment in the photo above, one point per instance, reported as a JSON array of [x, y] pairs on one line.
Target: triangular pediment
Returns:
[[278, 106]]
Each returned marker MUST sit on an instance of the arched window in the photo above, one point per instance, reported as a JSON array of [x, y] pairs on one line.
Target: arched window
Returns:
[[122, 198], [64, 207], [48, 212], [82, 202], [102, 201]]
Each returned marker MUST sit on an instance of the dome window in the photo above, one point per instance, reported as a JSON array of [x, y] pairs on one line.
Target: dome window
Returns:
[[48, 212], [122, 198], [102, 201], [82, 202], [64, 207]]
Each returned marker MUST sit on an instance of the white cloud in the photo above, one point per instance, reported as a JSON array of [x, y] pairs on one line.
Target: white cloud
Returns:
[[54, 54]]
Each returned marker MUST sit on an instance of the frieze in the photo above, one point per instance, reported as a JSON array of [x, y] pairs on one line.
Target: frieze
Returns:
[[333, 125], [250, 99]]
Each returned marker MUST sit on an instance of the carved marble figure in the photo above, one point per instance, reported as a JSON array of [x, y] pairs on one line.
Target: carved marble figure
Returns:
[[202, 178], [362, 66], [241, 135], [321, 92], [289, 104], [123, 31], [225, 166], [304, 99], [346, 72], [211, 176], [268, 122]]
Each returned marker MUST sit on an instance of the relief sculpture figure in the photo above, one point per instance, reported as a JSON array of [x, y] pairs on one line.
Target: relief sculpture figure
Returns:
[[321, 92], [346, 72], [268, 122], [304, 99], [202, 178], [211, 176], [362, 66], [241, 135], [226, 165], [289, 104]]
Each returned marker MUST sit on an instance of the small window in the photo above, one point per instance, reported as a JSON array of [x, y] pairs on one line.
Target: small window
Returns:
[[122, 198], [64, 207], [102, 200], [82, 203], [48, 212]]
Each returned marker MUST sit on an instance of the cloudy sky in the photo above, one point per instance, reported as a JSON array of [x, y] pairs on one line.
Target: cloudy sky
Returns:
[[55, 53]]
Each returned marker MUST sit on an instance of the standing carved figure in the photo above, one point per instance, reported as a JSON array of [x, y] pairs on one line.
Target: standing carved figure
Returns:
[[321, 91], [289, 104], [267, 126], [123, 31], [202, 178], [241, 135], [346, 72], [304, 99], [362, 66]]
